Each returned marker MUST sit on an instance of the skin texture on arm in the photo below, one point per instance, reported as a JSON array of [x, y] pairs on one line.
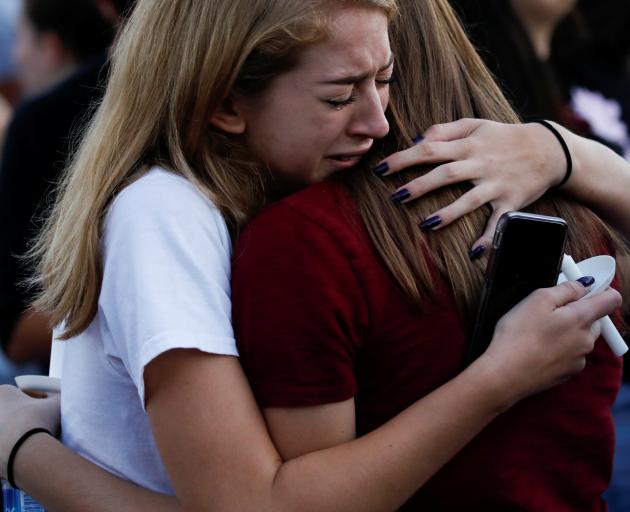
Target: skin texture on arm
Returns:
[[84, 487], [220, 457], [601, 180]]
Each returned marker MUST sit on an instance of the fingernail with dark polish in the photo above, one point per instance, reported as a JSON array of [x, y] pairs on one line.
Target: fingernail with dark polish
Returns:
[[431, 222], [381, 169], [401, 195], [476, 252], [586, 281], [417, 139]]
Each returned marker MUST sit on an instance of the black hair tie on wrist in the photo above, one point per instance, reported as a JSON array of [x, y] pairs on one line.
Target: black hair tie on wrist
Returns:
[[565, 148], [16, 448]]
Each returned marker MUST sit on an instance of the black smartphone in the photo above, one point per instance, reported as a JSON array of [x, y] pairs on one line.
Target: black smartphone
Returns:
[[527, 253]]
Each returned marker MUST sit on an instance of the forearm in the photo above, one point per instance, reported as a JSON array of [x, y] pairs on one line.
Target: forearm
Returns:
[[600, 179], [383, 469], [65, 482]]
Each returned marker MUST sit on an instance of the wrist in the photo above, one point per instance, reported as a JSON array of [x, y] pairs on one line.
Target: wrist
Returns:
[[561, 163], [491, 379], [16, 455]]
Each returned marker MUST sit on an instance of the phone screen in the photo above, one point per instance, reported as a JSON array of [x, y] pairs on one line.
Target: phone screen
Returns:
[[526, 255]]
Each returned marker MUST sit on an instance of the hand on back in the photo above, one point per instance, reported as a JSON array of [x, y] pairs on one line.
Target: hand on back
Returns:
[[510, 166]]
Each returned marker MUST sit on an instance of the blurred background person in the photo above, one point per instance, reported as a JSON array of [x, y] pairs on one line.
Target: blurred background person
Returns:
[[535, 47], [60, 57], [590, 53], [568, 61]]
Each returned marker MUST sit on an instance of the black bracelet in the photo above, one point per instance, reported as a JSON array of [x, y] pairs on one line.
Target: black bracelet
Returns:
[[15, 449], [565, 148]]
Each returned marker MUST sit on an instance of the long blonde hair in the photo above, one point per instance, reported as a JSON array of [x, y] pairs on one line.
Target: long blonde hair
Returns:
[[442, 79], [174, 64]]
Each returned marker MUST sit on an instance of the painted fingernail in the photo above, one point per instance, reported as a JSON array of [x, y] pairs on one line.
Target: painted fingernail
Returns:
[[381, 169], [417, 139], [586, 281], [431, 222], [401, 195], [476, 252]]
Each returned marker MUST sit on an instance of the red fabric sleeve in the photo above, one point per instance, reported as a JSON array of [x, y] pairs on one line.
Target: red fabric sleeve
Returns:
[[298, 310]]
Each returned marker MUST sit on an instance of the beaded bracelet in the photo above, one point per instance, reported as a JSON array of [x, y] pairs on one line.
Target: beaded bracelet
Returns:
[[15, 449], [565, 148]]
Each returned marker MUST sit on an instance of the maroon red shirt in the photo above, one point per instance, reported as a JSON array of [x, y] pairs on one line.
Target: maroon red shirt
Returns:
[[319, 320]]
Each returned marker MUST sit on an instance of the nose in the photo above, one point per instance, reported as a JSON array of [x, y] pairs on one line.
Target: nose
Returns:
[[369, 119]]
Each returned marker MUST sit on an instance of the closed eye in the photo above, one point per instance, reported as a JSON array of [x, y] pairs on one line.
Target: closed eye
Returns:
[[339, 104]]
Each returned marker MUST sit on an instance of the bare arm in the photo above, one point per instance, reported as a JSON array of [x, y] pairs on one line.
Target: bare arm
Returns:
[[74, 484], [601, 180], [218, 452]]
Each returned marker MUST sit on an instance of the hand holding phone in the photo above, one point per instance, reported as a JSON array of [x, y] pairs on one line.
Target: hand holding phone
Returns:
[[527, 253]]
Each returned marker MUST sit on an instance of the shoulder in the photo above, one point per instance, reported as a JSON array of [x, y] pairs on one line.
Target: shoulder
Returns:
[[161, 190], [162, 201]]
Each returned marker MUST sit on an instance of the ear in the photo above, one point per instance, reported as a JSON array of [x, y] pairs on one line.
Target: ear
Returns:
[[229, 117]]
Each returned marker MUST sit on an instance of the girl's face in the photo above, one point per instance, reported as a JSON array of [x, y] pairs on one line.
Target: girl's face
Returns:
[[324, 114]]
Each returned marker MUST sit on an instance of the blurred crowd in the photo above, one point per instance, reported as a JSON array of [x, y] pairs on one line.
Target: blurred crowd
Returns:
[[564, 60]]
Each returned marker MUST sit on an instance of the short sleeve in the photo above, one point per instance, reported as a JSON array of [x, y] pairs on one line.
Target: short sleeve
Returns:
[[299, 311], [166, 274]]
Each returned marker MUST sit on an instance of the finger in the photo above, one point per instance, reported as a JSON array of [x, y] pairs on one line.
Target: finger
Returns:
[[468, 202], [485, 241], [427, 152], [566, 293], [452, 131], [441, 176], [596, 330], [597, 306]]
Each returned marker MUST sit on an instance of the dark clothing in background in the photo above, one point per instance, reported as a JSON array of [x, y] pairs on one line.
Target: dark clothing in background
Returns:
[[35, 152], [506, 49]]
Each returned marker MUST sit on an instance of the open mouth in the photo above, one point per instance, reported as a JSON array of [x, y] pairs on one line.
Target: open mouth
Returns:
[[342, 158], [347, 158]]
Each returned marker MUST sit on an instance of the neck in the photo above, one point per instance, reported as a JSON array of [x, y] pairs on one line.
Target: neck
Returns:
[[540, 34], [539, 26]]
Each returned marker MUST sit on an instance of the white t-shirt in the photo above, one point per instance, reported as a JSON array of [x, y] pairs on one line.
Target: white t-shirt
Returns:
[[166, 285]]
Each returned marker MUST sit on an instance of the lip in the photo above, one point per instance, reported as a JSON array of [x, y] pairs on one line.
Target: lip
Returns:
[[345, 160]]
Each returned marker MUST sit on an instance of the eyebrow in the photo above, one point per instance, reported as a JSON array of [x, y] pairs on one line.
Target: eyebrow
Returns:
[[349, 80]]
